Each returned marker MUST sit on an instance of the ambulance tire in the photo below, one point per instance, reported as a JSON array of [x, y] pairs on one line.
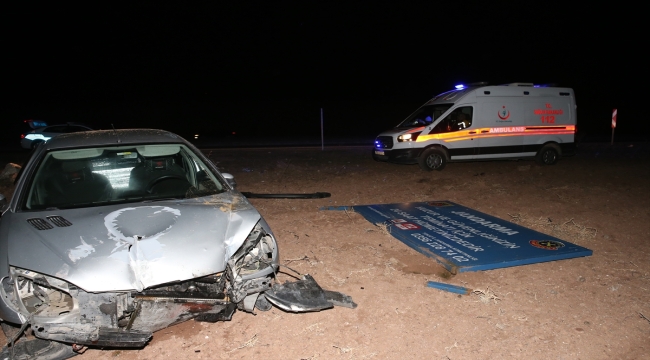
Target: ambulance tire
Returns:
[[548, 155], [433, 159]]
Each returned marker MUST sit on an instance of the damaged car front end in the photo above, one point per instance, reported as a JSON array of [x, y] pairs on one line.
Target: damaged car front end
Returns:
[[60, 311], [113, 235]]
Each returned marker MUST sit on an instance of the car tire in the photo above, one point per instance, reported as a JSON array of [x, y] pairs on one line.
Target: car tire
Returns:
[[549, 154], [433, 159]]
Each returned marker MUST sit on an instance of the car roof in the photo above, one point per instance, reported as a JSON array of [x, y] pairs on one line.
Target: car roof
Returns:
[[112, 137], [49, 127]]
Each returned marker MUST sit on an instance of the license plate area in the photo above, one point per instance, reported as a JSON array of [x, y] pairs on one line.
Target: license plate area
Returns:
[[378, 152]]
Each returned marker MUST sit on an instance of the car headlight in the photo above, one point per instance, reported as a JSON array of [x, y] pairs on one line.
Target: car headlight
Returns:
[[257, 257], [40, 293], [408, 137]]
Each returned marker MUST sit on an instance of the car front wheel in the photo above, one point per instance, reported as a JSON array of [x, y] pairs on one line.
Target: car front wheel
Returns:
[[432, 159]]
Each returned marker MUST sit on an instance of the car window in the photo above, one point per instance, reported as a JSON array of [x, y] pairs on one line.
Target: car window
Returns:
[[122, 174], [424, 115], [459, 119]]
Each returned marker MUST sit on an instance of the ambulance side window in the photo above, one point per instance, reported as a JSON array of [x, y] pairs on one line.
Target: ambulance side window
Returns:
[[459, 119]]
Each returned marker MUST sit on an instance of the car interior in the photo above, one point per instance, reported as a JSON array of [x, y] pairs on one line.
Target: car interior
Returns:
[[90, 176]]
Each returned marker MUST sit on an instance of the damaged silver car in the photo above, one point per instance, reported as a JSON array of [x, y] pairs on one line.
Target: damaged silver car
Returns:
[[113, 235]]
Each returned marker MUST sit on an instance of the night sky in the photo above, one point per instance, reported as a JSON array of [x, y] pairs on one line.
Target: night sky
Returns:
[[267, 68]]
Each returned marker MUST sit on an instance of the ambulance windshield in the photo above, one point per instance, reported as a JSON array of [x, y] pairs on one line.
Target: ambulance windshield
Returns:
[[424, 115]]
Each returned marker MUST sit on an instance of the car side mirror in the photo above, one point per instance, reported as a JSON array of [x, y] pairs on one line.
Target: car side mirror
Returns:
[[230, 180]]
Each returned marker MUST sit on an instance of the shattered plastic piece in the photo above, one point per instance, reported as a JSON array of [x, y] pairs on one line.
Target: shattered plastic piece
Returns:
[[316, 195], [451, 288], [38, 349], [223, 315], [299, 296], [262, 304], [340, 299]]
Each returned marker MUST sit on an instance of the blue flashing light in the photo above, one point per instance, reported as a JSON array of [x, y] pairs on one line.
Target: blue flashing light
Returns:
[[460, 87]]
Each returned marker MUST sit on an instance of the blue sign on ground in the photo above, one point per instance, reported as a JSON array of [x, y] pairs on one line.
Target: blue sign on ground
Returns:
[[462, 239]]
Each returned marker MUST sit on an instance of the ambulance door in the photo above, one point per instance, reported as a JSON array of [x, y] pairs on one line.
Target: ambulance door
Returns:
[[457, 133], [501, 130]]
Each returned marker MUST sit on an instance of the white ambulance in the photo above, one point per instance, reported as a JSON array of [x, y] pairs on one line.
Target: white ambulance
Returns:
[[480, 122]]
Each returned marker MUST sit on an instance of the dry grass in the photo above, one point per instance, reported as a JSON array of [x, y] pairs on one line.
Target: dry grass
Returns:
[[568, 230], [384, 228], [486, 296], [248, 344]]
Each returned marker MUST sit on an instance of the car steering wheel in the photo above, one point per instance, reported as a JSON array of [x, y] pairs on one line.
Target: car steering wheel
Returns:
[[156, 181]]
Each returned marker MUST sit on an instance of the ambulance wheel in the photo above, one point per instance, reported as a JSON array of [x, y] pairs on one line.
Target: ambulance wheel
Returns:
[[432, 159], [548, 155]]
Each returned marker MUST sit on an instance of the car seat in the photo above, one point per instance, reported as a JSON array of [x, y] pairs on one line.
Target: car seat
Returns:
[[74, 183], [159, 175]]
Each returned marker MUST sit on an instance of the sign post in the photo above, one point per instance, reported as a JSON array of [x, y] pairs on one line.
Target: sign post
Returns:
[[613, 124]]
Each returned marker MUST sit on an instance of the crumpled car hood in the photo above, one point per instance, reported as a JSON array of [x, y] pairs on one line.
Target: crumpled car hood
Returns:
[[134, 246]]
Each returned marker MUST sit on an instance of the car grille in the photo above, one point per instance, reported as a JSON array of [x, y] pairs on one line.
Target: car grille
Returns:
[[384, 142], [40, 224]]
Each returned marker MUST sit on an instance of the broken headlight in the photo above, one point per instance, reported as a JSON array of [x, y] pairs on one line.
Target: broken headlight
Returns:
[[257, 257], [252, 266], [40, 295]]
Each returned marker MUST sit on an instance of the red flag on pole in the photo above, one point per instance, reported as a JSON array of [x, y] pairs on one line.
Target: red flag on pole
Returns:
[[614, 119]]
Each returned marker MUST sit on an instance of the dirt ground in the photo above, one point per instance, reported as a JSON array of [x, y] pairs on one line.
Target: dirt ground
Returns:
[[595, 307]]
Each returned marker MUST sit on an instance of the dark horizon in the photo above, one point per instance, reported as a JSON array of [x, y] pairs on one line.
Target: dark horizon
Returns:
[[267, 70]]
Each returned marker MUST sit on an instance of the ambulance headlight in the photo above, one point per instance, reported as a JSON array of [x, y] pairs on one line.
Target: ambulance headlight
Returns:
[[408, 137]]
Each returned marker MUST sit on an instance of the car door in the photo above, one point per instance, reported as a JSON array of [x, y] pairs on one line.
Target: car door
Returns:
[[457, 133]]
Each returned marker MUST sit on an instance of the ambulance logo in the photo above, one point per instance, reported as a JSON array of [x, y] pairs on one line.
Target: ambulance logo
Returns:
[[547, 244], [504, 113]]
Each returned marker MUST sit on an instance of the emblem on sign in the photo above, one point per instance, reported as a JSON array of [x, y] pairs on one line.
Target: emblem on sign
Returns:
[[546, 244]]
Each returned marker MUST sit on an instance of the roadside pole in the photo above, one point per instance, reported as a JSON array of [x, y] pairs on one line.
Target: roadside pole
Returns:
[[613, 124], [322, 138]]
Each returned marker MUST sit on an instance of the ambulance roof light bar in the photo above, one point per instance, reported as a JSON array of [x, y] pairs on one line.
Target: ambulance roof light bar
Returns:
[[461, 86]]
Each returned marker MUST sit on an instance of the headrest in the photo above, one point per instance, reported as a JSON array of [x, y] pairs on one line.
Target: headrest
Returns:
[[160, 163], [74, 170]]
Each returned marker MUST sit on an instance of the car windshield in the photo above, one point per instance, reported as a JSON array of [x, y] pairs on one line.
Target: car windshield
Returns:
[[119, 174], [424, 115]]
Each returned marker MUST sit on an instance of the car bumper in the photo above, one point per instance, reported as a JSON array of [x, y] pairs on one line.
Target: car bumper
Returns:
[[400, 156]]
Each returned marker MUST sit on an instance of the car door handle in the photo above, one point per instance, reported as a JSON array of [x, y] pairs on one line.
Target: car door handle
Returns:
[[472, 132], [484, 131]]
